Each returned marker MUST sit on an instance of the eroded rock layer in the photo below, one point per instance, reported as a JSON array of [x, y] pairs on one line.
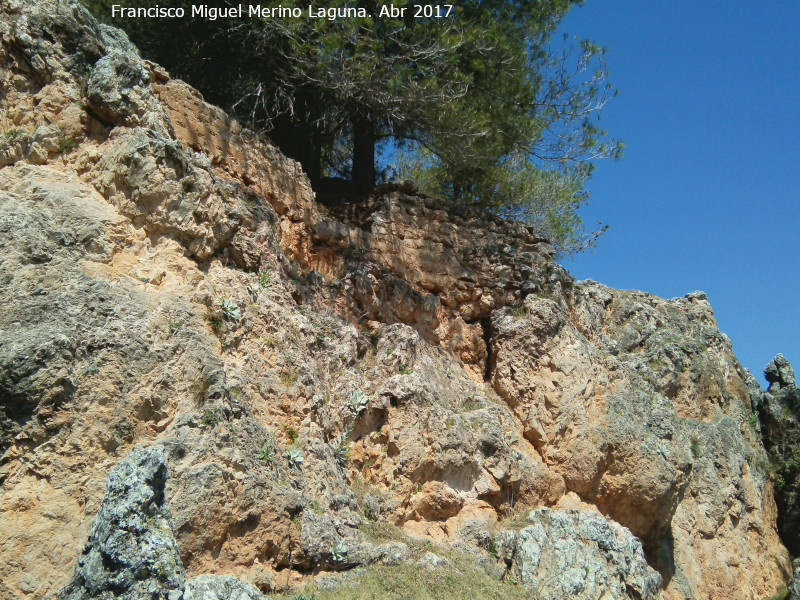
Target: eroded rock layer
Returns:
[[314, 373]]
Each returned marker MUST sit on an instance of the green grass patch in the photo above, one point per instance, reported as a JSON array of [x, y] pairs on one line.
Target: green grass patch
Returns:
[[459, 580]]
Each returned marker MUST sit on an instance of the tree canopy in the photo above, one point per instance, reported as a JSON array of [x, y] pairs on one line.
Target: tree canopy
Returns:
[[476, 103]]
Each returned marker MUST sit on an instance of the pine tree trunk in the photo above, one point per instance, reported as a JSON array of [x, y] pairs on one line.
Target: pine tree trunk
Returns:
[[363, 153]]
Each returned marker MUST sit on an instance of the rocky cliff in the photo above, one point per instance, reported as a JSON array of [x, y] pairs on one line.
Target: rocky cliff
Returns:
[[373, 395]]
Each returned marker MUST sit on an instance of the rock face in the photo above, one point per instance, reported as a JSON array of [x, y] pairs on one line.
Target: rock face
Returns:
[[581, 554], [779, 414], [131, 552], [214, 587], [794, 585], [315, 373]]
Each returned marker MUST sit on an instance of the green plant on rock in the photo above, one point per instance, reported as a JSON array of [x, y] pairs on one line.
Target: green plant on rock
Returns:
[[267, 453], [358, 402], [92, 369], [265, 279], [341, 449], [215, 320], [230, 309], [289, 378], [211, 417], [199, 390], [753, 421], [472, 403], [292, 433], [339, 551], [520, 311], [404, 370], [295, 457], [694, 444], [66, 145], [14, 133]]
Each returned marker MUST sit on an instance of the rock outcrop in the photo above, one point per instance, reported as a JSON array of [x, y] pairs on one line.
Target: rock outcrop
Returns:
[[794, 585], [132, 551], [331, 384], [581, 554], [779, 419]]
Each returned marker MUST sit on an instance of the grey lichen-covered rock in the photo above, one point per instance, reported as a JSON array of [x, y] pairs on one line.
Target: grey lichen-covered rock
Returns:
[[132, 553], [118, 92], [779, 415], [218, 587], [432, 561], [581, 554], [794, 584], [780, 374]]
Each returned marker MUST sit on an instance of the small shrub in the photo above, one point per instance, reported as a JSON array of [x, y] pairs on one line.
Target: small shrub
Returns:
[[289, 378], [14, 133], [492, 549], [199, 390], [753, 421], [265, 279], [292, 433], [472, 403], [267, 453], [404, 370], [520, 311], [215, 320], [66, 145], [695, 446], [210, 417]]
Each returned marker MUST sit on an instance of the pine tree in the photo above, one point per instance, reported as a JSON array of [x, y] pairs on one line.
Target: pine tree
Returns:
[[479, 106]]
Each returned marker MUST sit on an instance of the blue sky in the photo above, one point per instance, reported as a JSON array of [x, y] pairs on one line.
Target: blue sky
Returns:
[[707, 195]]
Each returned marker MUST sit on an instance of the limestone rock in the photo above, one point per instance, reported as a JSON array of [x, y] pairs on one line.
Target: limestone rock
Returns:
[[118, 92], [132, 552], [780, 374], [581, 554], [794, 584], [779, 414], [437, 370], [432, 561], [638, 403], [220, 587]]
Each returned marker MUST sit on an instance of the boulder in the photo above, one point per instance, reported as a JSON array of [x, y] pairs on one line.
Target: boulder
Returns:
[[132, 552], [581, 554]]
